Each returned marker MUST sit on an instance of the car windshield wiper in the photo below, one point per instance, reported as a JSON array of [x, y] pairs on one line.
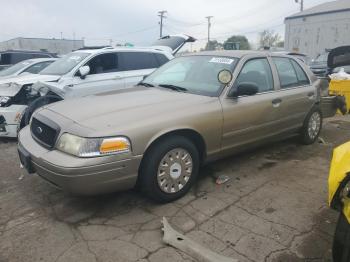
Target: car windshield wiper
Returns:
[[174, 87], [145, 84]]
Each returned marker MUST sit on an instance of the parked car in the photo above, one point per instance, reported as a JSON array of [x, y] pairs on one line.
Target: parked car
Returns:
[[339, 199], [192, 110], [30, 66], [319, 65], [11, 57], [81, 73]]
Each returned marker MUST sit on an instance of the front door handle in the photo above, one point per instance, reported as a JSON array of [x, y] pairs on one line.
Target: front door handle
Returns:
[[276, 102]]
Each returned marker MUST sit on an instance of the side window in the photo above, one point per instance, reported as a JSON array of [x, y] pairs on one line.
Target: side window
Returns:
[[162, 59], [257, 71], [287, 75], [35, 69], [104, 63], [138, 60], [302, 77]]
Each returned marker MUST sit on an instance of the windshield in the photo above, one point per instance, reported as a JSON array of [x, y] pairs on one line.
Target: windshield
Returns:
[[65, 64], [195, 74], [322, 58], [15, 68]]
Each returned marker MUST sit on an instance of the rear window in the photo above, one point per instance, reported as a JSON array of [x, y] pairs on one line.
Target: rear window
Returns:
[[138, 60], [301, 75], [286, 72], [162, 59]]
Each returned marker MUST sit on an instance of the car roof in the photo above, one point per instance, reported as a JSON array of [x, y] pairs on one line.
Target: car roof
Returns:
[[107, 50], [38, 60], [234, 53]]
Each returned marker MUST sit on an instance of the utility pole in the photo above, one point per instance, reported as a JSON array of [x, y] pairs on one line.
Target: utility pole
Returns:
[[162, 16], [301, 4], [209, 25]]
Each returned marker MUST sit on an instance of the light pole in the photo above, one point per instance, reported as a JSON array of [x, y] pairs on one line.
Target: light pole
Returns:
[[162, 16], [209, 25], [301, 4]]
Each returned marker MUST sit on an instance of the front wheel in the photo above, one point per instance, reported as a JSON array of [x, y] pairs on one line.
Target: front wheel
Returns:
[[341, 242], [312, 126], [169, 169]]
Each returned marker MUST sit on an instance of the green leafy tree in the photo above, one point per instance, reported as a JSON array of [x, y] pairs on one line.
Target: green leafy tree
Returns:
[[241, 39], [268, 38]]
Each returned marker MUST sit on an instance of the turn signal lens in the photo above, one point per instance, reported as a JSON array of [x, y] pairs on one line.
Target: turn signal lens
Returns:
[[113, 145]]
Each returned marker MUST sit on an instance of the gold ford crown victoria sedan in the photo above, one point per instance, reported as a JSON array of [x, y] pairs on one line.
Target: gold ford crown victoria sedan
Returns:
[[194, 109]]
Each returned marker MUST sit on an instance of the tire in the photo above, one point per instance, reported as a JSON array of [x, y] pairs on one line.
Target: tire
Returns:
[[312, 126], [341, 242], [164, 184], [37, 103]]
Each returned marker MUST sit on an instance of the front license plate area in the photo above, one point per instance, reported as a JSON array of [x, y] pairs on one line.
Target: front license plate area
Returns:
[[25, 159]]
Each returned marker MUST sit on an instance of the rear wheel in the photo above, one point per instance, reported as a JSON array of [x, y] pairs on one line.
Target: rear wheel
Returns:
[[169, 169], [312, 126]]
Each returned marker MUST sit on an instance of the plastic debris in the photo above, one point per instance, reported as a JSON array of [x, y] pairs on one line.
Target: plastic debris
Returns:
[[222, 179]]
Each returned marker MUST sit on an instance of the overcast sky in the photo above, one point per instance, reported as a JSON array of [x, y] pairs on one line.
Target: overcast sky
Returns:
[[137, 21]]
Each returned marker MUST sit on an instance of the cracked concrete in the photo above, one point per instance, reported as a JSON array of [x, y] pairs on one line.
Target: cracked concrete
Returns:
[[273, 208]]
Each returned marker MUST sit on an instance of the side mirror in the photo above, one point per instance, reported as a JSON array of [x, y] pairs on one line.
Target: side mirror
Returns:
[[84, 71], [246, 89]]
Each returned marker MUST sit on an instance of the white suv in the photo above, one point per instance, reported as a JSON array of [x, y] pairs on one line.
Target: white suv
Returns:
[[81, 73]]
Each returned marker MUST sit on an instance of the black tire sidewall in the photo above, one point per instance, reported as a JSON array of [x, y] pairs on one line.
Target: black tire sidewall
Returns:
[[304, 135], [150, 163]]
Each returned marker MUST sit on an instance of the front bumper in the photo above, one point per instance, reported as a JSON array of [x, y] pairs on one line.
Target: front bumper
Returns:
[[82, 176], [10, 120]]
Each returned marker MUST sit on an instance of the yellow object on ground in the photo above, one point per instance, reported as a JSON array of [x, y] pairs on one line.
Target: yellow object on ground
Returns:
[[340, 166], [341, 88]]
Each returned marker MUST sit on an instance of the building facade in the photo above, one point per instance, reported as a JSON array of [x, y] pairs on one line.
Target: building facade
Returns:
[[322, 27], [58, 46]]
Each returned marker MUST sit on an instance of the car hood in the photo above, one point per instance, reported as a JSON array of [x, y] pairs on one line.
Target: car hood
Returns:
[[11, 86], [126, 107]]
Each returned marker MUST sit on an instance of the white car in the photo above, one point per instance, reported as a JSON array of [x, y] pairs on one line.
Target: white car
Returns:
[[30, 66], [81, 73]]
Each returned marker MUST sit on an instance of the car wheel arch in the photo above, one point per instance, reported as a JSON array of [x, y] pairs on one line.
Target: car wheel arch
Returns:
[[188, 133]]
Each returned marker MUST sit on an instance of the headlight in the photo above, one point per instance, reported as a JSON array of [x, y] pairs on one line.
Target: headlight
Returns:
[[4, 100], [92, 147]]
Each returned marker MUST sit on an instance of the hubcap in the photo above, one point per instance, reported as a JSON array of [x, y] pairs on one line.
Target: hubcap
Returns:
[[314, 125], [174, 170]]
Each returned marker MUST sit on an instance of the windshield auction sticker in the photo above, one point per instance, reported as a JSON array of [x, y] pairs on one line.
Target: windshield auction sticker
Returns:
[[221, 60]]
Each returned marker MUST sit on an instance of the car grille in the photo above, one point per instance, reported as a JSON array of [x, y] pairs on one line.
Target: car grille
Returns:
[[44, 133]]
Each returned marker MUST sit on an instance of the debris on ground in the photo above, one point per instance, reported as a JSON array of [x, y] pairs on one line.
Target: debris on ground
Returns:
[[193, 249], [222, 179], [21, 177]]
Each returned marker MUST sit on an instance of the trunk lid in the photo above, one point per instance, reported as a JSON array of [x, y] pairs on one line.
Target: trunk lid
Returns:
[[174, 42]]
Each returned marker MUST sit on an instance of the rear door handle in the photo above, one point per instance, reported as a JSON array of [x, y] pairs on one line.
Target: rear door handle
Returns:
[[276, 102], [117, 77]]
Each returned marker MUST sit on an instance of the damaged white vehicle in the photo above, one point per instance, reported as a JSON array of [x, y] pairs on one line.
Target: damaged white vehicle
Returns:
[[81, 73]]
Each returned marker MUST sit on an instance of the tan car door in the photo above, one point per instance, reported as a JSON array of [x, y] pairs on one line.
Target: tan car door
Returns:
[[250, 119], [296, 92]]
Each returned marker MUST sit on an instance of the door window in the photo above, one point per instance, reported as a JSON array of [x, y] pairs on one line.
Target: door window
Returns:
[[104, 63], [257, 71], [138, 60], [286, 72], [162, 59], [302, 77]]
